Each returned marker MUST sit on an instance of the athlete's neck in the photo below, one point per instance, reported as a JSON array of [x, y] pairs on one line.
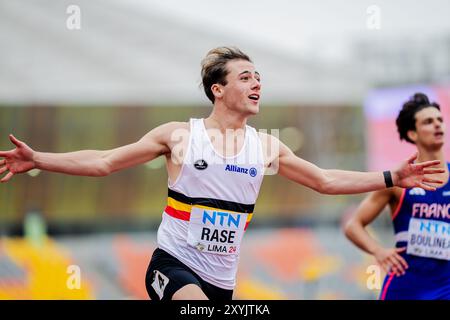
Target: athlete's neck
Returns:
[[425, 155], [223, 121]]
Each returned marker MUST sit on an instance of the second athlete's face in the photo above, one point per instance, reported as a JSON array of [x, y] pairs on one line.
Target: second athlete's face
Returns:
[[243, 88], [430, 128]]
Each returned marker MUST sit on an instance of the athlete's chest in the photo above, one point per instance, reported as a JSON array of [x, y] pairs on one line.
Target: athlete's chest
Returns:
[[419, 203], [424, 223]]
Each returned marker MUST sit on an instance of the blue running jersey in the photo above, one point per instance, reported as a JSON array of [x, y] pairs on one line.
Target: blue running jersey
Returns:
[[422, 225]]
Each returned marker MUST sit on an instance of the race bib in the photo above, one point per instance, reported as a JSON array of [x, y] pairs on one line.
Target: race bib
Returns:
[[216, 231], [429, 238]]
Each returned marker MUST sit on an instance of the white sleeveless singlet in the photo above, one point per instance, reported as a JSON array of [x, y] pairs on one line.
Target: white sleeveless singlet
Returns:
[[210, 205]]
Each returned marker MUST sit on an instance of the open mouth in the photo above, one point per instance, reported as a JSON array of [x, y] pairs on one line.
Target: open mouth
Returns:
[[439, 134], [254, 97]]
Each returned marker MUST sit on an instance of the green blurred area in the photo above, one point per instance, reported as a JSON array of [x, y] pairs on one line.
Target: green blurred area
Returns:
[[331, 137]]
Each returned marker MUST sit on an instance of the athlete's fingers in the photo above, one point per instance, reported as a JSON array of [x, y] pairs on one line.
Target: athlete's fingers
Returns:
[[396, 265], [398, 250], [413, 157], [15, 141], [399, 265], [427, 187], [5, 154], [433, 170], [395, 270], [2, 162], [3, 169], [402, 261], [428, 163], [7, 177], [432, 180], [398, 271]]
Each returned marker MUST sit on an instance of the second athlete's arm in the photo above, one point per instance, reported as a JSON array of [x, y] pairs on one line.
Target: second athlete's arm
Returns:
[[355, 231]]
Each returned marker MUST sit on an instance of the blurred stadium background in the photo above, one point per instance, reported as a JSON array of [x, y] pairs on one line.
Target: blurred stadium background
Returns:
[[332, 85]]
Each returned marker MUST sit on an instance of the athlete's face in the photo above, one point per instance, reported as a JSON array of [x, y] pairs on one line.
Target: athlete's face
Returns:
[[430, 128], [243, 88]]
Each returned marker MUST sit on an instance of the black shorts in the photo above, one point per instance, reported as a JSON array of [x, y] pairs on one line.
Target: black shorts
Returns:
[[166, 275]]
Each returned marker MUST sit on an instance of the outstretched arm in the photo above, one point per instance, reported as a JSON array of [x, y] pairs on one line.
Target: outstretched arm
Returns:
[[407, 175], [95, 163], [355, 231]]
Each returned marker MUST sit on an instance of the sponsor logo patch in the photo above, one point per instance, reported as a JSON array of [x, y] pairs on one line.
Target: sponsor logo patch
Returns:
[[200, 164], [233, 168], [159, 283], [417, 192]]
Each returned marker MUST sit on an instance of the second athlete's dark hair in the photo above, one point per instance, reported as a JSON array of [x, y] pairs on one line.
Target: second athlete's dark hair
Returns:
[[406, 119]]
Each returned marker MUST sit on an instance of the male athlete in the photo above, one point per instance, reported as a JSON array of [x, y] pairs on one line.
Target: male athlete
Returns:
[[215, 168], [419, 267]]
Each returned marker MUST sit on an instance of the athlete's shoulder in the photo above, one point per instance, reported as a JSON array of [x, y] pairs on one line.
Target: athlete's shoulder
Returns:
[[394, 196], [265, 137], [165, 132], [274, 145], [172, 127], [176, 125], [387, 195]]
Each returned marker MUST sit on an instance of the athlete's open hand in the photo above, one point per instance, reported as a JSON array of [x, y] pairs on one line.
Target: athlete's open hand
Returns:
[[391, 261], [18, 160], [410, 174]]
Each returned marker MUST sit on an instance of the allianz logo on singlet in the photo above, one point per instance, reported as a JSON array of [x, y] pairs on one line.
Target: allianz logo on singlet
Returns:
[[233, 168]]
